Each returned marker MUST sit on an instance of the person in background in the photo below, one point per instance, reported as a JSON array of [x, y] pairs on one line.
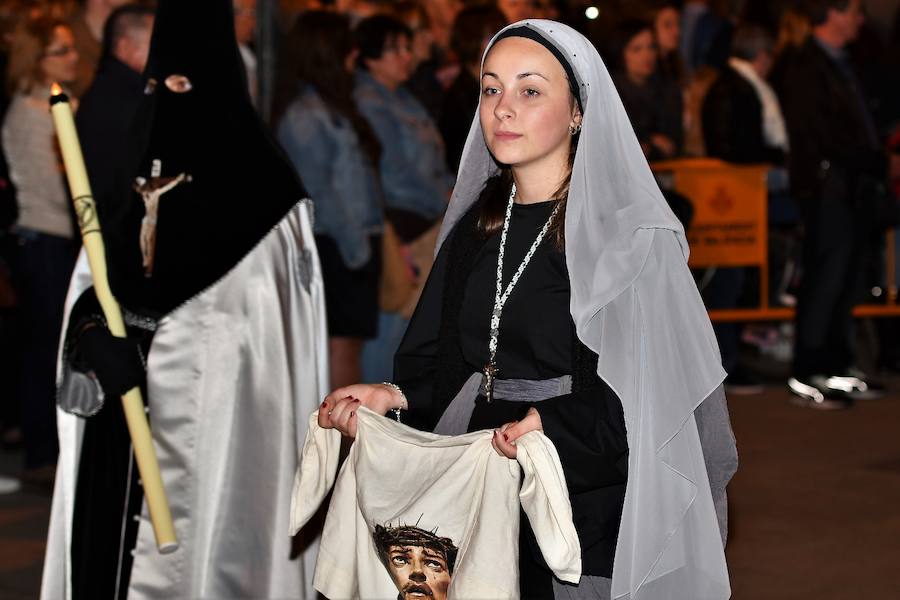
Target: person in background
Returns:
[[653, 105], [245, 30], [416, 181], [742, 123], [9, 18], [412, 166], [87, 27], [548, 9], [335, 152], [441, 15], [42, 52], [889, 331], [110, 104], [423, 81], [517, 10], [793, 31], [705, 35], [10, 431], [358, 10], [837, 167], [667, 34], [742, 119], [472, 31]]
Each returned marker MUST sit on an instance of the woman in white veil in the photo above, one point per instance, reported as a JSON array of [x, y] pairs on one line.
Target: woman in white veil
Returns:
[[637, 322]]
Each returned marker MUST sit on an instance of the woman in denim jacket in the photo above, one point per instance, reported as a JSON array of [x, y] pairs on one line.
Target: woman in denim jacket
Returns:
[[413, 169], [335, 152]]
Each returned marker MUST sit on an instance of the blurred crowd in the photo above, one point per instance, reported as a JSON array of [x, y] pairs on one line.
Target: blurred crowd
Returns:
[[372, 101]]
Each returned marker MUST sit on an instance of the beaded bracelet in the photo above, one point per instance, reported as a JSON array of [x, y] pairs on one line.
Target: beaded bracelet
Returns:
[[404, 405]]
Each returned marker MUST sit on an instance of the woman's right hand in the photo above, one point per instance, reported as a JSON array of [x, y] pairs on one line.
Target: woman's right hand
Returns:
[[338, 411]]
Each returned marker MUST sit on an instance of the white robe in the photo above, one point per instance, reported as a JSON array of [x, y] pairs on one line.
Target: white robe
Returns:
[[231, 375]]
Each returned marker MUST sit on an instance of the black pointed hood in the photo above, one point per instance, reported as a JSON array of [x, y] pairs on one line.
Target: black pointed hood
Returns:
[[196, 118], [196, 38]]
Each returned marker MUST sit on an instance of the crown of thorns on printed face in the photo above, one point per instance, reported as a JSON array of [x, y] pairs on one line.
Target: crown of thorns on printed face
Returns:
[[407, 535]]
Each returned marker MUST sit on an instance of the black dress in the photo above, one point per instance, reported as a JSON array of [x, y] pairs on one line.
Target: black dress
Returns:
[[654, 107], [447, 341]]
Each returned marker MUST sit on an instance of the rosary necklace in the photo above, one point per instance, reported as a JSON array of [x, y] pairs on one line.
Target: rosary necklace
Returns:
[[490, 369]]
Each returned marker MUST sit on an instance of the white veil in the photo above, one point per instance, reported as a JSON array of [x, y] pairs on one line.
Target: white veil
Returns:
[[635, 304]]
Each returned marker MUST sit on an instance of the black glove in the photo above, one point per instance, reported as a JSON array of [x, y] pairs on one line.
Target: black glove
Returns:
[[116, 362]]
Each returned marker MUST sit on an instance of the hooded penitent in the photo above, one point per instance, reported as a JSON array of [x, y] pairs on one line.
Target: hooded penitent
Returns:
[[211, 252], [196, 119], [635, 304]]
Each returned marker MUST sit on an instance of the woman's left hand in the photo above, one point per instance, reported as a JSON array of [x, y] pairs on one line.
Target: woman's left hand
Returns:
[[504, 441]]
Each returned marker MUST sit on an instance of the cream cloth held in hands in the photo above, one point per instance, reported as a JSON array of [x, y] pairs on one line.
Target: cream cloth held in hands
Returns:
[[404, 493]]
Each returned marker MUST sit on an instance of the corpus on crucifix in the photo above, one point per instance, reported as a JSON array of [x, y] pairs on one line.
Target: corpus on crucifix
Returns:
[[151, 190]]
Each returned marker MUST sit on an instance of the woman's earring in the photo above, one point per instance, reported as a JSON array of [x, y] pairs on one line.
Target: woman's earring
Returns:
[[574, 129]]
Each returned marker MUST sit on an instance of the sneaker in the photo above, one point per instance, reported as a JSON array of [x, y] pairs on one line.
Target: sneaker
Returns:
[[855, 383], [815, 393], [9, 485]]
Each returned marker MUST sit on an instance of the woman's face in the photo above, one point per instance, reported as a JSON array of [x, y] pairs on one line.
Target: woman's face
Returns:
[[526, 105], [394, 66], [60, 57], [640, 56], [668, 29]]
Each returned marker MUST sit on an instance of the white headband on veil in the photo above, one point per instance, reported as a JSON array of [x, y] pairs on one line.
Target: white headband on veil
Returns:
[[635, 304]]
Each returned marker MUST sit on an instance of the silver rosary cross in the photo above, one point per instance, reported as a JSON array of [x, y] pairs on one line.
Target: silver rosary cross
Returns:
[[490, 375]]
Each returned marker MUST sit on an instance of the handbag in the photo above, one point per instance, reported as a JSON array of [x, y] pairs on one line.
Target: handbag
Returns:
[[396, 284]]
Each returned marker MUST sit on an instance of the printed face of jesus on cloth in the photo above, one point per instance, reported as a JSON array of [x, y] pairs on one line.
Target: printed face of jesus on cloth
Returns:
[[419, 572], [419, 561]]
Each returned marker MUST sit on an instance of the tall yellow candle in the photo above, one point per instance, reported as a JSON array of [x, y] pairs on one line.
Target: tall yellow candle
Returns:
[[135, 417]]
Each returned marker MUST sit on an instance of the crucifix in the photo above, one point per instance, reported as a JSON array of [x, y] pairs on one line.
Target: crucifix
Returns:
[[490, 368], [150, 191], [487, 380]]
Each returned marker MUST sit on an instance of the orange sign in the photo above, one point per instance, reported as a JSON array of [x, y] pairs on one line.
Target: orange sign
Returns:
[[729, 225]]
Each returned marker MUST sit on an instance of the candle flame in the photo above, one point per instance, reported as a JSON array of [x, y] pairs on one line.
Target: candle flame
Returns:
[[55, 89]]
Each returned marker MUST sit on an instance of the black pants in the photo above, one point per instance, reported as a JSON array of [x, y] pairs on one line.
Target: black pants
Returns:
[[837, 226], [9, 338], [723, 292], [107, 498], [44, 266]]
